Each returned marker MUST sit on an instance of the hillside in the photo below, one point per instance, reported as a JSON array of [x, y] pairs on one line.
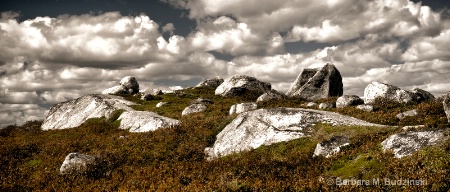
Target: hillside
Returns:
[[173, 158]]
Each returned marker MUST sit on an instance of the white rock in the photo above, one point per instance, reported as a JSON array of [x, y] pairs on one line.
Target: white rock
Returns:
[[145, 121], [115, 90], [267, 126], [130, 83], [348, 100], [311, 104], [76, 163], [160, 104], [381, 90], [75, 112], [367, 108], [330, 147], [270, 96], [211, 83], [446, 103], [326, 105], [194, 108], [242, 107], [240, 85], [409, 113], [404, 144]]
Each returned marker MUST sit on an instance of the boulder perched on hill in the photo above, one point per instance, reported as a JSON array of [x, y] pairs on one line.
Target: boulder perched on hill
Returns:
[[446, 103], [76, 163], [75, 112], [128, 85], [348, 100], [267, 126], [330, 147], [211, 83], [242, 107], [390, 92], [240, 85], [404, 144], [313, 84], [145, 121], [272, 95]]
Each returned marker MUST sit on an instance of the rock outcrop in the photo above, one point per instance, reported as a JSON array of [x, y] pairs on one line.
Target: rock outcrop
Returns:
[[75, 112], [446, 103], [348, 100], [194, 108], [242, 85], [128, 85], [314, 84], [76, 163], [330, 147], [272, 95], [409, 113], [267, 126], [390, 92], [242, 107], [145, 121], [211, 83], [404, 144]]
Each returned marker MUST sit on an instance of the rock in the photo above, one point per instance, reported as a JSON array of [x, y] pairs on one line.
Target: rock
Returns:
[[409, 113], [270, 96], [267, 126], [326, 105], [211, 83], [130, 83], [330, 147], [145, 121], [348, 100], [202, 101], [311, 104], [313, 84], [367, 108], [406, 128], [150, 95], [404, 144], [156, 92], [242, 85], [446, 103], [73, 113], [160, 104], [242, 107], [123, 137], [390, 92], [194, 108], [76, 163], [147, 97]]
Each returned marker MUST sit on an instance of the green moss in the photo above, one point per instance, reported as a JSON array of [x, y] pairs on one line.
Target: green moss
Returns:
[[364, 166]]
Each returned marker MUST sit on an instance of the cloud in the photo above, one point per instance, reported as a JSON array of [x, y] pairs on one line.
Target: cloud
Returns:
[[169, 27], [18, 114]]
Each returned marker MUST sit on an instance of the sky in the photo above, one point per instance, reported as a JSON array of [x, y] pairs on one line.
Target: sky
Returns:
[[57, 50]]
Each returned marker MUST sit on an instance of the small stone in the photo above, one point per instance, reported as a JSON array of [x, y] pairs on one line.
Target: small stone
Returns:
[[326, 105], [367, 108], [409, 113], [348, 100], [160, 104], [76, 163], [330, 147], [194, 108]]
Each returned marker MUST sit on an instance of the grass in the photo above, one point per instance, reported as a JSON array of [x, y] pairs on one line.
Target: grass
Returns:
[[173, 159]]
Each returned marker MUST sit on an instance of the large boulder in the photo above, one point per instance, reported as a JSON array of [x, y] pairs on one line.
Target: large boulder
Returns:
[[211, 83], [331, 146], [241, 85], [194, 108], [128, 85], [76, 163], [390, 92], [272, 95], [75, 112], [348, 100], [313, 84], [446, 103], [404, 144], [267, 126], [242, 107], [145, 121]]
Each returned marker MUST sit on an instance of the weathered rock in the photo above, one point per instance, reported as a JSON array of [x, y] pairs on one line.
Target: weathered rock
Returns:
[[115, 90], [156, 92], [348, 100], [270, 96], [147, 97], [314, 84], [242, 107], [76, 163], [412, 127], [160, 104], [202, 101], [404, 144], [367, 108], [390, 92], [409, 113], [145, 121], [311, 104], [130, 83], [240, 85], [330, 147], [326, 105], [194, 108], [446, 103], [267, 126], [211, 83], [75, 112]]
